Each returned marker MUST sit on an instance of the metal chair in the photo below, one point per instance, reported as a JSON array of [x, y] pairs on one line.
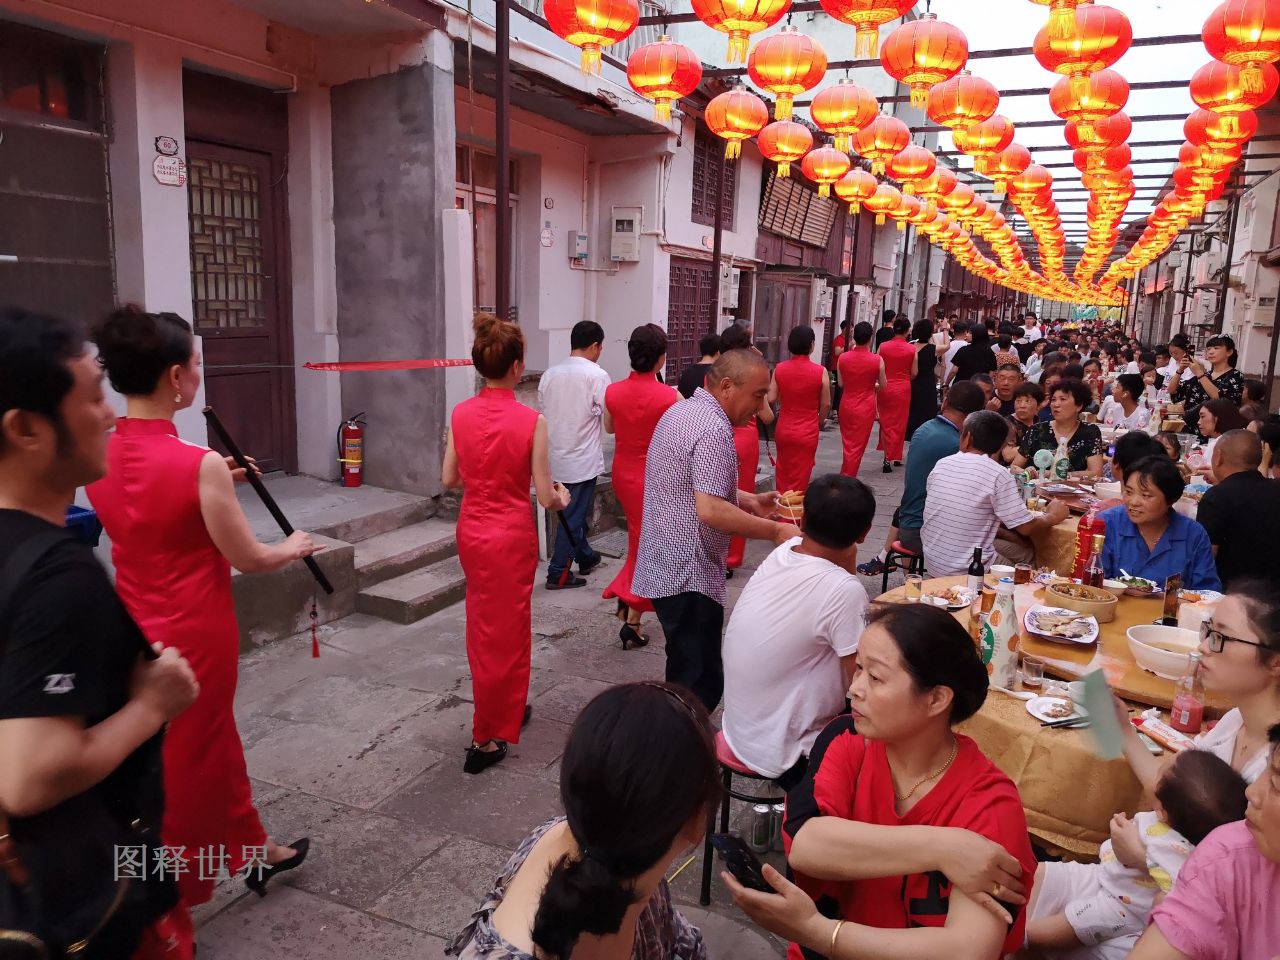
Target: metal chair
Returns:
[[730, 766], [893, 561]]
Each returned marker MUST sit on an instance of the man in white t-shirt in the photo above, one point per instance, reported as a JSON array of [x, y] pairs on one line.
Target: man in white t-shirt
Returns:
[[1031, 328], [971, 500], [963, 337], [792, 639]]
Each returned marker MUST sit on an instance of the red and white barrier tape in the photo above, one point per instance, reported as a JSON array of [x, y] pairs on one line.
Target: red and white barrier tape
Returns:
[[364, 366]]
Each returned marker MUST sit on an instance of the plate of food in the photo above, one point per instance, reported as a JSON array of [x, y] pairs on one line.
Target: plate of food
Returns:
[[1199, 596], [1061, 489], [955, 598], [1061, 626], [1140, 586], [1051, 709]]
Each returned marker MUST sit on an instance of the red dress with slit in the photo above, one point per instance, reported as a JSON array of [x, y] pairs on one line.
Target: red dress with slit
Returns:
[[177, 585], [799, 382], [746, 441], [635, 404], [860, 371], [895, 398], [498, 548]]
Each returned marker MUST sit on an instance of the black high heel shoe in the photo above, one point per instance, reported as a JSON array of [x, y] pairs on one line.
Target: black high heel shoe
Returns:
[[257, 879], [631, 637], [886, 468], [479, 760]]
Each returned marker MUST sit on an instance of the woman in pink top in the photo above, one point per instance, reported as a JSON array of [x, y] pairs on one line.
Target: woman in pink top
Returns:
[[900, 365], [860, 373], [632, 408], [804, 391]]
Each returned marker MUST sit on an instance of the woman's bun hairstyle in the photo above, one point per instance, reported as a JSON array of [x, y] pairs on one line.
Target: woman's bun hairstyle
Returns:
[[498, 346], [136, 347]]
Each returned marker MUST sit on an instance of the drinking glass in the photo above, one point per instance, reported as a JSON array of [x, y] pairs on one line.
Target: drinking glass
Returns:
[[915, 587], [1032, 672], [1022, 573]]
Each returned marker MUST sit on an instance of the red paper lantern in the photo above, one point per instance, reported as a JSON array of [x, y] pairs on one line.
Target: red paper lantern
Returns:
[[907, 208], [958, 199], [784, 142], [824, 166], [1107, 158], [885, 199], [880, 140], [940, 183], [1007, 164], [1032, 181], [736, 115], [842, 111], [911, 165], [924, 52], [786, 64], [1221, 87], [855, 187], [1100, 134], [1099, 36], [985, 139], [1105, 94], [962, 101], [591, 25], [1245, 33], [740, 19], [868, 16], [664, 72], [1204, 127]]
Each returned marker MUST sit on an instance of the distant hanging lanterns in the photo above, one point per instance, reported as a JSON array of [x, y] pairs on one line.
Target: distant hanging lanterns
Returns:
[[664, 72], [885, 199], [824, 166], [1099, 36], [1245, 33], [786, 64], [1221, 88], [740, 19], [962, 101], [868, 16], [911, 165], [736, 115], [784, 142], [922, 53], [855, 187], [1105, 94], [592, 25], [880, 140], [842, 110]]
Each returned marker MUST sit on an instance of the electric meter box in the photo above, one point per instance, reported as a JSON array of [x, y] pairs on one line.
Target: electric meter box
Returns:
[[624, 244]]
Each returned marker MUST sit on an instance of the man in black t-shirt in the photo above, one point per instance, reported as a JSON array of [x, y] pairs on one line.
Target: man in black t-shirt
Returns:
[[1241, 512], [81, 706], [885, 333], [695, 376]]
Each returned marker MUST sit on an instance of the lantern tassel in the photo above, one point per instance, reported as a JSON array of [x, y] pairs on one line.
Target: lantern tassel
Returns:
[[844, 142], [1062, 23], [1079, 85], [662, 111], [867, 46], [919, 96], [1001, 186], [738, 42], [824, 189], [784, 168], [1231, 125], [1085, 130], [591, 59], [854, 206], [879, 219], [877, 167], [782, 110], [902, 226], [1251, 78], [909, 189], [733, 150]]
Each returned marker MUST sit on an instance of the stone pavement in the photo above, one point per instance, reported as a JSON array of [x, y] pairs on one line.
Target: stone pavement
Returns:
[[362, 751]]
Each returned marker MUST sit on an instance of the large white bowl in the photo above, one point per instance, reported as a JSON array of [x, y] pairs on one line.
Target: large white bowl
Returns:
[[1163, 663], [1107, 491]]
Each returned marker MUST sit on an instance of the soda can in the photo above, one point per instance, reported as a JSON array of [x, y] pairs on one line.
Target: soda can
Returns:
[[761, 828], [1021, 477], [778, 813]]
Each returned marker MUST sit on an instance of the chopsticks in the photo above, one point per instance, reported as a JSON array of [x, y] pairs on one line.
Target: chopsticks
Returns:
[[1069, 723]]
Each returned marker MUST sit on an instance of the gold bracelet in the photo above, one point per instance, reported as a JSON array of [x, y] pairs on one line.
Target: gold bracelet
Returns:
[[831, 951]]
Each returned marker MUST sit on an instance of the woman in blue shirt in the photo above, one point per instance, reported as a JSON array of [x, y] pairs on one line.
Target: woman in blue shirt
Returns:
[[1147, 538]]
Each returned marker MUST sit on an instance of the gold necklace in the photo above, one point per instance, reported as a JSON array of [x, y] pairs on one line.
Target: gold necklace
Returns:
[[955, 749]]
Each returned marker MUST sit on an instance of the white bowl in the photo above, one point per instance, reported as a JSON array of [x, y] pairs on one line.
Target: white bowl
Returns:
[[999, 571], [1162, 662], [1107, 491], [1114, 587]]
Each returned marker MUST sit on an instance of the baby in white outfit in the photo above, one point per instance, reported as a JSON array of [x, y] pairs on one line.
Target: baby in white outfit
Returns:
[[1082, 910]]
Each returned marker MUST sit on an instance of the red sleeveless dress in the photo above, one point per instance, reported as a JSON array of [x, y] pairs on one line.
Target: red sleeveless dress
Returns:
[[895, 398], [746, 443], [860, 371], [636, 404], [498, 547], [177, 586], [799, 383]]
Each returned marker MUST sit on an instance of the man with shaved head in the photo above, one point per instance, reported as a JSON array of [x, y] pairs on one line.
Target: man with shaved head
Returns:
[[692, 506], [1241, 513]]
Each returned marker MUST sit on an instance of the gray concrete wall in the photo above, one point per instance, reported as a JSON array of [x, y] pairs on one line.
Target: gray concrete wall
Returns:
[[393, 172]]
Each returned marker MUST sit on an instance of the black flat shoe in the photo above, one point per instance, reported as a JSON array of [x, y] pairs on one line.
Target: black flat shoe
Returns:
[[568, 583], [257, 879], [631, 637], [479, 760], [728, 574], [584, 570]]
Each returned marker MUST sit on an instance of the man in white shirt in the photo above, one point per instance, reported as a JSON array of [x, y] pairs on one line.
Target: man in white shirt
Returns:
[[1031, 328], [971, 500], [572, 398], [792, 640], [963, 337]]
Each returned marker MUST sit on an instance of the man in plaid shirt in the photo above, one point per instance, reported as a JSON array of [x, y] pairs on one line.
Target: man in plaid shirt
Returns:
[[692, 506]]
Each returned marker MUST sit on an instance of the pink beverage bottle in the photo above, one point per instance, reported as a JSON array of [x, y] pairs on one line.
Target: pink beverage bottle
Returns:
[[1187, 713]]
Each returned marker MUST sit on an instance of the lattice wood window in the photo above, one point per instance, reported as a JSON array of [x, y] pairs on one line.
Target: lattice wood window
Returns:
[[792, 210], [227, 258], [708, 158], [688, 313]]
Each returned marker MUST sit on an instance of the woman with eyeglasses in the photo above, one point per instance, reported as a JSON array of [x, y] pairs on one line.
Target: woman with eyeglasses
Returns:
[[1240, 660]]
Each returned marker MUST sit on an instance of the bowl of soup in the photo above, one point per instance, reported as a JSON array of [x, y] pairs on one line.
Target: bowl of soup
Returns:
[[1164, 651]]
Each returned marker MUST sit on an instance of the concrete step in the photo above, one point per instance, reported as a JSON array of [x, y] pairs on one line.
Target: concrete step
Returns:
[[324, 507], [412, 596], [402, 551]]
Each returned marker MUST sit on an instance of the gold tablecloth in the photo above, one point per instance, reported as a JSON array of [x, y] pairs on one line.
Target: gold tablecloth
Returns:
[[1056, 547], [1068, 793]]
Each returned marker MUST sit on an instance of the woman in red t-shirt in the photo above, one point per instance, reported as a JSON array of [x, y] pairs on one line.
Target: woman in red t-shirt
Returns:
[[906, 841]]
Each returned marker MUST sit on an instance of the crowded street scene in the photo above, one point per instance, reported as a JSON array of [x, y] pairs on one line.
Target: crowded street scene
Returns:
[[639, 479]]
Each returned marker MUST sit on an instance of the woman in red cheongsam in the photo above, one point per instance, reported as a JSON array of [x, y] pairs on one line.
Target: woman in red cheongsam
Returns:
[[176, 530], [632, 408], [495, 445], [861, 374], [900, 364], [804, 392], [746, 441]]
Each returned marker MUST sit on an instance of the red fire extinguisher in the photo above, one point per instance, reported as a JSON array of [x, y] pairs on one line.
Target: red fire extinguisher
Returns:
[[351, 450]]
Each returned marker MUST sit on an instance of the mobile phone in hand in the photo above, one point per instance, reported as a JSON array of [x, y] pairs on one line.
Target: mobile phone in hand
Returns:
[[741, 861]]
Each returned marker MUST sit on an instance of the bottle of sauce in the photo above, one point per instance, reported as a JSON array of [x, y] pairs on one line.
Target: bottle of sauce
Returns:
[[1091, 525], [1002, 623], [1094, 574], [1187, 713]]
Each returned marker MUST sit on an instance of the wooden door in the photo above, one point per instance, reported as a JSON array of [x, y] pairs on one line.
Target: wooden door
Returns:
[[237, 270], [688, 313]]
